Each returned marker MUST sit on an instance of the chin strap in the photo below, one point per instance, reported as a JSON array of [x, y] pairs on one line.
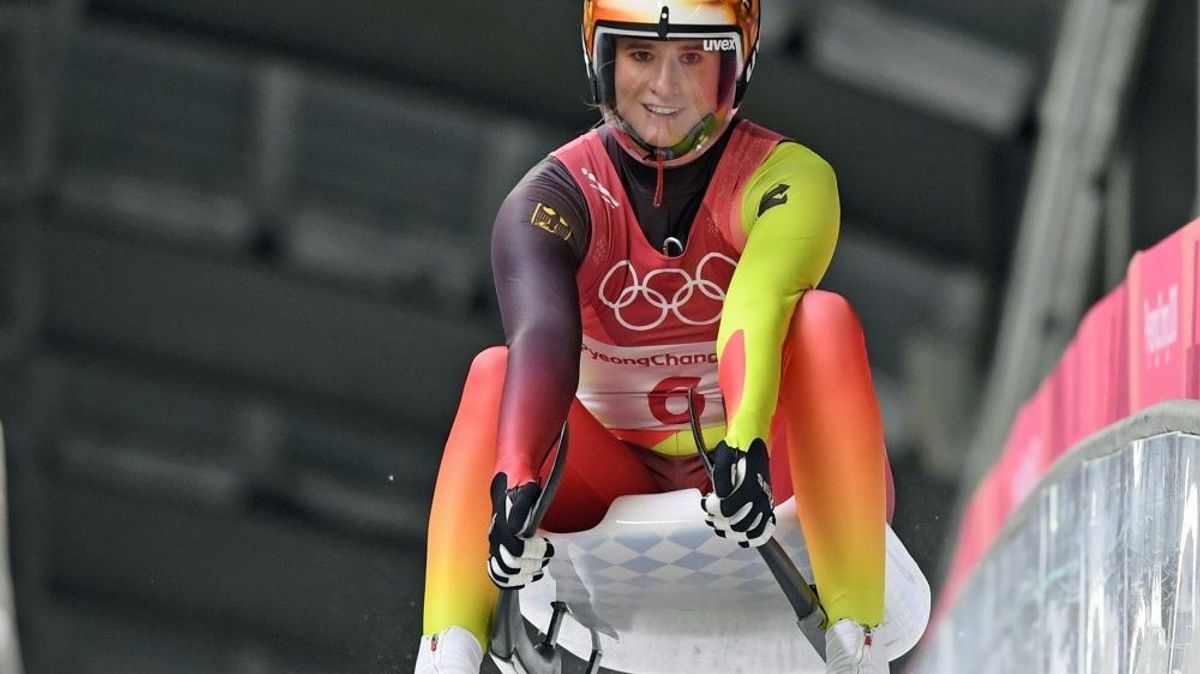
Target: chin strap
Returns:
[[700, 133], [696, 137], [658, 185]]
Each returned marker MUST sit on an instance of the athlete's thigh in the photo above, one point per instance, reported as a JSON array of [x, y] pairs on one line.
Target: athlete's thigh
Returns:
[[599, 469]]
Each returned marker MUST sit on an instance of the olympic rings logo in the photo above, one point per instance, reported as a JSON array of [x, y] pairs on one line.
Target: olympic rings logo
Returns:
[[657, 299]]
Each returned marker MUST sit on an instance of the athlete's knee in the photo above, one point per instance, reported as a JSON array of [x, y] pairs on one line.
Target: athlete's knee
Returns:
[[479, 406], [825, 311], [488, 366], [826, 330], [490, 361]]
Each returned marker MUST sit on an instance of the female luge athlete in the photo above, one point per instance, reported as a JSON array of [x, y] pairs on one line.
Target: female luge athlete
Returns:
[[675, 248]]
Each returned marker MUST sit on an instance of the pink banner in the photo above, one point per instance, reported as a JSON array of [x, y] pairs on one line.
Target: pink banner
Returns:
[[981, 522], [1121, 358], [1029, 450], [1100, 366], [1161, 284], [1193, 346], [1065, 418]]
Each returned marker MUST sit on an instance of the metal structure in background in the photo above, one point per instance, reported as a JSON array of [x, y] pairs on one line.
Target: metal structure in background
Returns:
[[30, 39], [30, 47], [1117, 239], [20, 299], [1099, 568], [930, 67], [1098, 46], [10, 656]]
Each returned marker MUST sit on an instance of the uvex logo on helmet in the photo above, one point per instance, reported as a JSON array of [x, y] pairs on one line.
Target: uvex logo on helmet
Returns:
[[725, 44]]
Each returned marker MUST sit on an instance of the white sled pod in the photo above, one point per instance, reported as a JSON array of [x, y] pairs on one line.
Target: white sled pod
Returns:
[[655, 590]]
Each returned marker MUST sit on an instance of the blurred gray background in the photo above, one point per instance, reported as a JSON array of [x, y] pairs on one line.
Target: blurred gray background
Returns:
[[244, 268]]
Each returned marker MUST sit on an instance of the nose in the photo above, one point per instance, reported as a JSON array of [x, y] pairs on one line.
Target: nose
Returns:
[[665, 81]]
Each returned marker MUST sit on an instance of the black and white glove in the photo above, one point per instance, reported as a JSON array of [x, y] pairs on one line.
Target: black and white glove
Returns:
[[739, 507], [515, 561]]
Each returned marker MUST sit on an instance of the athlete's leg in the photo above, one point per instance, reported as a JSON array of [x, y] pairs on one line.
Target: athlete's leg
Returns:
[[781, 469], [599, 468], [834, 438], [457, 589]]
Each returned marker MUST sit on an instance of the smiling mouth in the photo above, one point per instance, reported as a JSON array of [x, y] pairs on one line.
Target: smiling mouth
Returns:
[[661, 110]]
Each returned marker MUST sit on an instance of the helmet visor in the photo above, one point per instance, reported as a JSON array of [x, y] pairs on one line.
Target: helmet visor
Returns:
[[669, 94]]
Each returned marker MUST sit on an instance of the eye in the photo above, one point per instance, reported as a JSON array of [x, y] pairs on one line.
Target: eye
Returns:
[[691, 58], [641, 56]]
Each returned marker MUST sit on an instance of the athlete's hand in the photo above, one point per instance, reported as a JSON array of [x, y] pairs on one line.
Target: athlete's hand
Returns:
[[515, 561], [739, 507]]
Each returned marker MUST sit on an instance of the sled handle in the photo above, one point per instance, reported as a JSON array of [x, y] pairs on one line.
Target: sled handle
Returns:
[[556, 471], [510, 645], [810, 617]]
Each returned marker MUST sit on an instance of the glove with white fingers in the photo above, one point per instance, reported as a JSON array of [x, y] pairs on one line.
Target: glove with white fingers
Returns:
[[514, 560], [740, 507]]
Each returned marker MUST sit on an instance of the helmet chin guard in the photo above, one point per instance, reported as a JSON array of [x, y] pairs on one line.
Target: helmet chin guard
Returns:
[[695, 141]]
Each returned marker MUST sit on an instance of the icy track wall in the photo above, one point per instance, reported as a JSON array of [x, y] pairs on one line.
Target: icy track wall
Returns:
[[1081, 536], [1136, 347], [1097, 570]]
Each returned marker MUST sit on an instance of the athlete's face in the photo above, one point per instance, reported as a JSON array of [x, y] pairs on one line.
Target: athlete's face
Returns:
[[664, 87]]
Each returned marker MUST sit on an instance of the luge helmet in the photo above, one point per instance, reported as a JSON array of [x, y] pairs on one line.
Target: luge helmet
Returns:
[[728, 27]]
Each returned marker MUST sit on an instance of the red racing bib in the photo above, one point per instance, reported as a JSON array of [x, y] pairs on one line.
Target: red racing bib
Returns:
[[650, 320]]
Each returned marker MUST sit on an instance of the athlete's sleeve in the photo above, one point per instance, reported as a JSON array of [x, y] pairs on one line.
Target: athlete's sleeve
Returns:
[[538, 238], [791, 216]]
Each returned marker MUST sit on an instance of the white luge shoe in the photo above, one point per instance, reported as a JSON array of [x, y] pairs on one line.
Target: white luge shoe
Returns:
[[848, 650], [454, 650]]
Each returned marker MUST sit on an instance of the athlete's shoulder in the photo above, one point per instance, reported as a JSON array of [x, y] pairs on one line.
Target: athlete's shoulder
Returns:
[[800, 181], [548, 176], [792, 159], [553, 172], [749, 129], [577, 144], [548, 198]]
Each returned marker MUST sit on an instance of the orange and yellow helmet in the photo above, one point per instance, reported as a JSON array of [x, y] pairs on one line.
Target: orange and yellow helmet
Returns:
[[729, 27]]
